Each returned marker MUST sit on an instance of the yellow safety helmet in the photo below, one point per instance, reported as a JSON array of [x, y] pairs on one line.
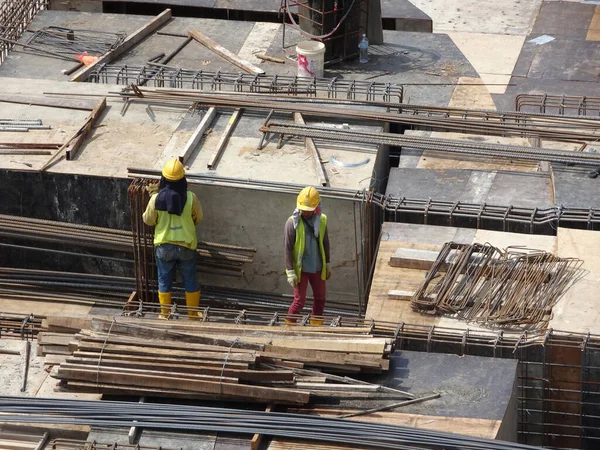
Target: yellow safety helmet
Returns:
[[308, 199], [173, 170]]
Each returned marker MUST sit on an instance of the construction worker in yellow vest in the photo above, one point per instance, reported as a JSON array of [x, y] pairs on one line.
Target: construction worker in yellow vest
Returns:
[[307, 254], [174, 212]]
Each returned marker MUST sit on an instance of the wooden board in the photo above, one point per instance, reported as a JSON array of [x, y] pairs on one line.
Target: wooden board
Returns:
[[42, 308]]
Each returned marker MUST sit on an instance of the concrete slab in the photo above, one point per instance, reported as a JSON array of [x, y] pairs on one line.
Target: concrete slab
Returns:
[[513, 17]]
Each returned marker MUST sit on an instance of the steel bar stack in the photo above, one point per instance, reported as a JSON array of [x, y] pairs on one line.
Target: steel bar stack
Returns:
[[71, 42], [480, 283], [292, 86], [208, 360], [245, 422], [493, 123]]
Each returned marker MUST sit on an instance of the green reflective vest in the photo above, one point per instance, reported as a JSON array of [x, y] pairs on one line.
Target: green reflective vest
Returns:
[[301, 242], [174, 229]]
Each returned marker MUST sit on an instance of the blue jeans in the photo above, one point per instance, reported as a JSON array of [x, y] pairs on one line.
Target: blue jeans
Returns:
[[169, 258]]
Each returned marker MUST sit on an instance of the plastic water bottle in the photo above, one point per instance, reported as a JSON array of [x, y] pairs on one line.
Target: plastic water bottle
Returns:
[[363, 50]]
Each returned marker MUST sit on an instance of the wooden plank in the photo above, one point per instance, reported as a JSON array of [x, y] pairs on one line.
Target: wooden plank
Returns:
[[54, 339], [66, 367], [214, 159], [395, 294], [72, 322], [362, 346], [224, 53], [313, 151], [186, 152], [52, 360], [51, 102], [128, 340], [71, 147], [149, 351], [131, 41], [409, 258], [82, 133], [242, 374], [156, 358], [165, 334], [254, 393]]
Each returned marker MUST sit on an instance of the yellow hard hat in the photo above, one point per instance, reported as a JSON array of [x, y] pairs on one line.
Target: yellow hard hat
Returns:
[[173, 170], [308, 199]]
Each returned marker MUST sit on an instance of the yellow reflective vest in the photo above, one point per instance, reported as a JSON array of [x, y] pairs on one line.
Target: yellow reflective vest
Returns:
[[174, 229], [301, 242]]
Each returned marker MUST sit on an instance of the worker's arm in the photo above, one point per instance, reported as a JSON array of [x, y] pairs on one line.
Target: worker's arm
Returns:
[[197, 214], [150, 216], [326, 246], [289, 241]]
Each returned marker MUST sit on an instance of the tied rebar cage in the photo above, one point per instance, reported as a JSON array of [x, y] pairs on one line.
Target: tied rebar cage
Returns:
[[15, 16], [558, 104], [336, 23], [558, 377]]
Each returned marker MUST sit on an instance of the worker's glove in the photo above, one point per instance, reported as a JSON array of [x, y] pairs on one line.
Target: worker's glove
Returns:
[[328, 271], [152, 188], [292, 279]]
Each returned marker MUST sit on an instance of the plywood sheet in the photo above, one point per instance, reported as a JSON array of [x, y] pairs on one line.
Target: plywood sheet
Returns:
[[579, 309], [387, 278]]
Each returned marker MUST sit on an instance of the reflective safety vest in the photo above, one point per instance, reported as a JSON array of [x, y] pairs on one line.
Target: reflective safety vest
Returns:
[[301, 242], [174, 229]]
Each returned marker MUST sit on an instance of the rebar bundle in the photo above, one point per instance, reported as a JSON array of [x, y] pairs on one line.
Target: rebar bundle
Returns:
[[205, 419], [558, 104], [453, 146], [15, 16], [71, 41], [485, 285], [493, 123]]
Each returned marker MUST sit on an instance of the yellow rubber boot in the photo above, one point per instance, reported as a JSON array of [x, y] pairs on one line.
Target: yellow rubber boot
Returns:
[[316, 322], [192, 300], [165, 304], [290, 322]]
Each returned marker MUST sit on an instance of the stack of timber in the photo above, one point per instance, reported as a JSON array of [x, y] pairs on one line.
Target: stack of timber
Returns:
[[215, 361], [22, 440]]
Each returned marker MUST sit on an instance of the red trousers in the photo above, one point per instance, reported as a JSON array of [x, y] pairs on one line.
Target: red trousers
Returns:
[[319, 292]]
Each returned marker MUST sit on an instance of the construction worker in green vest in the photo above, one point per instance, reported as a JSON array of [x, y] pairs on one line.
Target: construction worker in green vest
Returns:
[[306, 244], [174, 212]]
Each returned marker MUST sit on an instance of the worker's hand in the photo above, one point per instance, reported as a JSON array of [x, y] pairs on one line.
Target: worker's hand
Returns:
[[292, 279], [152, 188], [328, 271]]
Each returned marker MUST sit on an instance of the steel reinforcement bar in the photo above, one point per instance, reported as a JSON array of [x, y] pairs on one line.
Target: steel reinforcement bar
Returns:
[[172, 77], [15, 16], [203, 419]]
